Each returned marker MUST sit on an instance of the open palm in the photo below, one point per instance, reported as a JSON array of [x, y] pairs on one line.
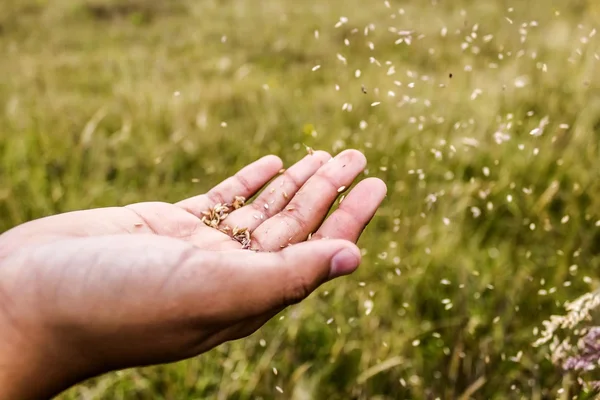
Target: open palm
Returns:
[[92, 291]]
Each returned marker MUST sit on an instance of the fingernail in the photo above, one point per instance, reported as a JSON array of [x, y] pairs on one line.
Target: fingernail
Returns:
[[343, 263]]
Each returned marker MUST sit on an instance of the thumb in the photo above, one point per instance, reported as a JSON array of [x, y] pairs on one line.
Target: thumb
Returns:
[[267, 281], [322, 259]]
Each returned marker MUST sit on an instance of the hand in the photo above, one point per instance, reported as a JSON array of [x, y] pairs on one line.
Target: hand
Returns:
[[88, 292]]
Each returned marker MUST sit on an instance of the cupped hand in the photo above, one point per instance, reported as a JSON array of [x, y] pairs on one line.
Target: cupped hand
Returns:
[[87, 292]]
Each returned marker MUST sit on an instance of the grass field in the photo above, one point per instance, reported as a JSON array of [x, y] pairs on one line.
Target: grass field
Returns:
[[483, 120]]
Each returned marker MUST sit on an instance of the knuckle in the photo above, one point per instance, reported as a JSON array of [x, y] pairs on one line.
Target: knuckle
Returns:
[[297, 218], [244, 183], [296, 181], [215, 197], [329, 180]]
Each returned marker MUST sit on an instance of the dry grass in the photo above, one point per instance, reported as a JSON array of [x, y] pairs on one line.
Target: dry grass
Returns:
[[482, 120]]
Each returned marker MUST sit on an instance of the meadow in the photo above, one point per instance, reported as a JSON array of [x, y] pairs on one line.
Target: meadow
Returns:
[[483, 118]]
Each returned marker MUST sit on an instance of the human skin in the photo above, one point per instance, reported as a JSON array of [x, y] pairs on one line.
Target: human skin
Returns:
[[93, 291]]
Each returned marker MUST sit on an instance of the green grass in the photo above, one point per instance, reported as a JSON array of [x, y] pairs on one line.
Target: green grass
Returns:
[[89, 118]]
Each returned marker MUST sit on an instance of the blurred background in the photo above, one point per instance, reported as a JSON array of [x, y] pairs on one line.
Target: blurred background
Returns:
[[483, 118]]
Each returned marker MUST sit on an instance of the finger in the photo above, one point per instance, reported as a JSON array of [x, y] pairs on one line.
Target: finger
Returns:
[[279, 192], [355, 212], [311, 204], [245, 182], [257, 283]]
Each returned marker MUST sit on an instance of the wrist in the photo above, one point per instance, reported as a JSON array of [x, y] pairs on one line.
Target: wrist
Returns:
[[23, 377], [29, 368], [20, 375]]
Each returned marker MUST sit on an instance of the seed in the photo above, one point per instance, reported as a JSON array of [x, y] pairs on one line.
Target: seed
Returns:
[[341, 189], [219, 212], [238, 202]]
